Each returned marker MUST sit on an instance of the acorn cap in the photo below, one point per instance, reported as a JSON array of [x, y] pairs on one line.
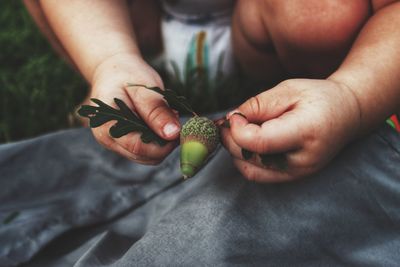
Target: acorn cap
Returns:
[[200, 129]]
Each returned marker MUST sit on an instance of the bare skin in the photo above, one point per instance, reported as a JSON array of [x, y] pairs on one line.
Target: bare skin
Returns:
[[344, 52], [349, 51]]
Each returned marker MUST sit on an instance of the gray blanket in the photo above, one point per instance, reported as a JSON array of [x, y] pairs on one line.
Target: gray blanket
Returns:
[[66, 201]]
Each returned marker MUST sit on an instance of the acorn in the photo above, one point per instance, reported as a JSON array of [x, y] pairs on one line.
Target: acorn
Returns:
[[199, 137]]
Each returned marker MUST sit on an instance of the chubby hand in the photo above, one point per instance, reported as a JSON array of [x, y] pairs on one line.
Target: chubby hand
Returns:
[[110, 81], [297, 127]]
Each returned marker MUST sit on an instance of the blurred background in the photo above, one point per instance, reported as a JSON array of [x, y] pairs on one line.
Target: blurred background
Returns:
[[38, 91]]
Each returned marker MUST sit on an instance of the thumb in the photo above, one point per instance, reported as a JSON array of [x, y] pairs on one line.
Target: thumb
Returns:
[[270, 124], [155, 112], [273, 136], [265, 106]]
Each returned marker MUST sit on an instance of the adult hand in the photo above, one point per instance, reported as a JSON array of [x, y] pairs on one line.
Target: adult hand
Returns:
[[300, 124], [110, 81]]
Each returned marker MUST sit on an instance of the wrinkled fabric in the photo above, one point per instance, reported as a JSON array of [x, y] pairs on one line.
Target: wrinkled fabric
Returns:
[[81, 205]]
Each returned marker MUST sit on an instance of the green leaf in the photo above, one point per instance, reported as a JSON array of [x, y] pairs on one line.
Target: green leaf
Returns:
[[179, 103], [246, 154], [127, 120], [278, 161]]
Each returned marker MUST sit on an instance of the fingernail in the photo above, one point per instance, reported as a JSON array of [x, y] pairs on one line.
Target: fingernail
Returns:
[[235, 112], [170, 129], [228, 116], [240, 114]]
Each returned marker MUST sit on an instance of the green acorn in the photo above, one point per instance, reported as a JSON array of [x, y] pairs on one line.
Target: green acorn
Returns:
[[199, 138]]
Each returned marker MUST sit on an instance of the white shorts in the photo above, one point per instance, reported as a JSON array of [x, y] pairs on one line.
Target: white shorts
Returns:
[[198, 43]]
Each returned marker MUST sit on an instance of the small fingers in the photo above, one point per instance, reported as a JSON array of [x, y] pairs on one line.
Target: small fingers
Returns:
[[235, 150], [131, 146], [228, 142], [155, 112], [277, 161], [274, 136], [133, 143], [267, 105], [276, 167]]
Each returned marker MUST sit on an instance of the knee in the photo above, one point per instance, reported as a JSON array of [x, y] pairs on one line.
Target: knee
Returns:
[[248, 22], [317, 25], [146, 19], [307, 37], [307, 24]]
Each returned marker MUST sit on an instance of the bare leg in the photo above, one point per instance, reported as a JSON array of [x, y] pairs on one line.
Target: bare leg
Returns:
[[252, 44], [280, 39], [146, 19]]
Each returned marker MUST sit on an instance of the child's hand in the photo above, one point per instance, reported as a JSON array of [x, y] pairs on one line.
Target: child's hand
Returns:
[[307, 121], [110, 81]]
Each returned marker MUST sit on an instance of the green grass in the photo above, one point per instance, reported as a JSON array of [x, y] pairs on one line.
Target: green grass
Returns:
[[38, 91]]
